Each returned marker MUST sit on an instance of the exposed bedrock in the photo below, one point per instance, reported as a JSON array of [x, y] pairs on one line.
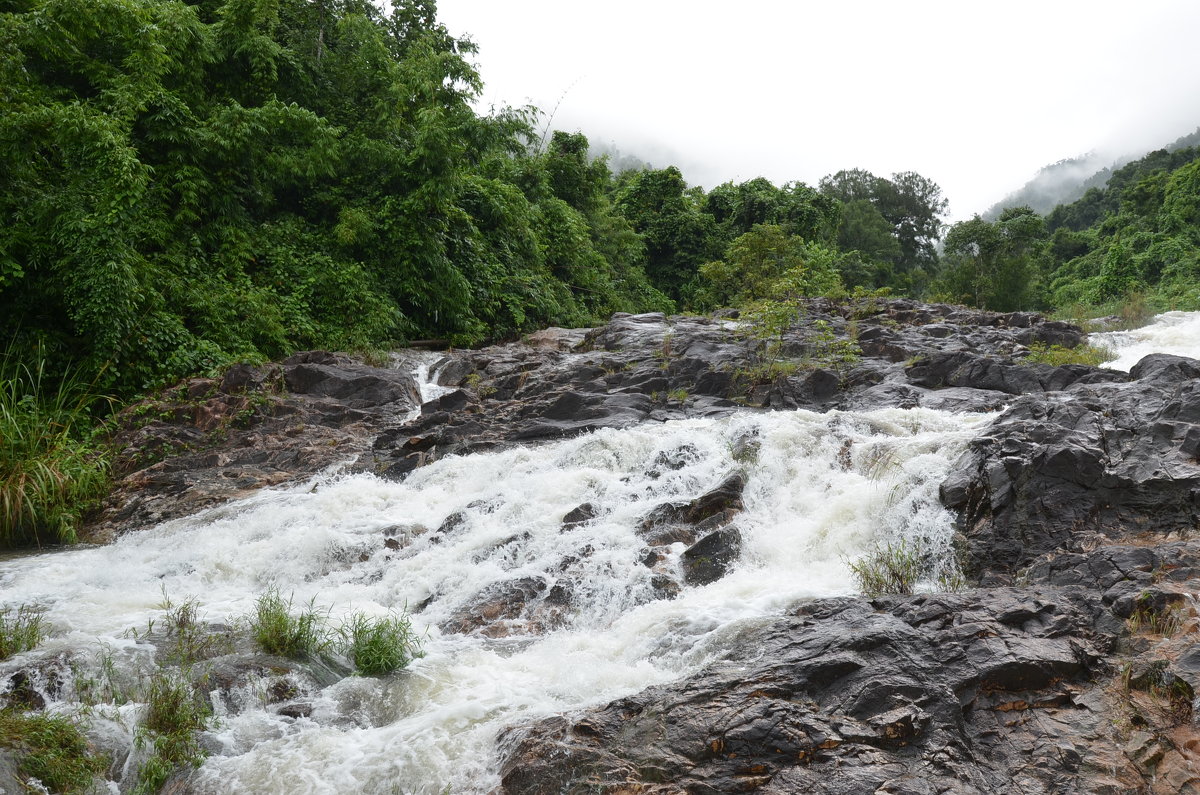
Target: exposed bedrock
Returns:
[[639, 368], [1096, 460], [1072, 669]]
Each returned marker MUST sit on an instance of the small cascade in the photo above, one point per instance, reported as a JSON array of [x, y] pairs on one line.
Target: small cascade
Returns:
[[1176, 333]]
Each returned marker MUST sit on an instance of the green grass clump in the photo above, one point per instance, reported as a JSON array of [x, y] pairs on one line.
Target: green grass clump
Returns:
[[889, 569], [50, 474], [1057, 355], [279, 630], [20, 632], [189, 639], [51, 749], [380, 645], [176, 713]]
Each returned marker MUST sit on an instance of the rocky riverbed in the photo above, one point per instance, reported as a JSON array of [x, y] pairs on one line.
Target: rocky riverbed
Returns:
[[1070, 663]]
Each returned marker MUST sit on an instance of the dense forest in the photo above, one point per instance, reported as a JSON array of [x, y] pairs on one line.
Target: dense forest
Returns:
[[190, 183], [1137, 239]]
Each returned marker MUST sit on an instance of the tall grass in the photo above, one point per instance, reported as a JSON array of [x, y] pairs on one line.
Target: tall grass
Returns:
[[176, 713], [380, 645], [51, 749], [50, 472], [277, 629], [20, 632], [893, 568]]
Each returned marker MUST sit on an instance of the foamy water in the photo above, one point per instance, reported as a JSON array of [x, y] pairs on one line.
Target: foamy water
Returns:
[[1171, 332], [821, 489]]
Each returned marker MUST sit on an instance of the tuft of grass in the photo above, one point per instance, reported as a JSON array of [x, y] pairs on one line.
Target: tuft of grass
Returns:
[[678, 395], [1057, 355], [380, 645], [893, 568], [190, 641], [20, 632], [50, 473], [51, 749], [176, 713], [1146, 617], [279, 630]]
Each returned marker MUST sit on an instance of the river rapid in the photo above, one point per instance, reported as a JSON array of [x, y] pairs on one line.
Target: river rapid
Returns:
[[821, 491]]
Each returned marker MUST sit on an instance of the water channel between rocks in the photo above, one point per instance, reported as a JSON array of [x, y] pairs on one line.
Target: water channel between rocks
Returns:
[[821, 489]]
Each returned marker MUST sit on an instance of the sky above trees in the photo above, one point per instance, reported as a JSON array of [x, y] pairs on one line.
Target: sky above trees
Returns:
[[975, 96]]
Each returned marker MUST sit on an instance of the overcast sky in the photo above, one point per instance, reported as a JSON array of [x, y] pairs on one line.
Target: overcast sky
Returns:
[[976, 96]]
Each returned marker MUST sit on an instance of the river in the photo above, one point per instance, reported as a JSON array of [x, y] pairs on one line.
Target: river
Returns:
[[822, 490]]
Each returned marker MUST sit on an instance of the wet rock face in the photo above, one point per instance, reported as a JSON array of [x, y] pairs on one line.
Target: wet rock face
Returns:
[[207, 441], [650, 367], [1097, 459], [1075, 671], [1083, 679], [849, 696]]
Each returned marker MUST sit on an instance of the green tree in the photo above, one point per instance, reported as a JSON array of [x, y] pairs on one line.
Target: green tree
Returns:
[[764, 260], [678, 236], [995, 265], [910, 203]]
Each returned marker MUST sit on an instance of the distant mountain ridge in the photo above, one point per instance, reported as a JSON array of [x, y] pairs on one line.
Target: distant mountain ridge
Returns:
[[1067, 180]]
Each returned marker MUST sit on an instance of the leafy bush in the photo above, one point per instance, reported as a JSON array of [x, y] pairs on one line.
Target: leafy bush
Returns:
[[20, 632], [277, 630], [380, 645], [51, 749], [50, 473]]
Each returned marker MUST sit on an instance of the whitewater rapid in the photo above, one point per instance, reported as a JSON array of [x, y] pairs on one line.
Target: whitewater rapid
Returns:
[[1177, 333], [821, 490]]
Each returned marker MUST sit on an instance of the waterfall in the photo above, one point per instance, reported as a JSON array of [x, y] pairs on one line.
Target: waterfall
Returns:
[[821, 488]]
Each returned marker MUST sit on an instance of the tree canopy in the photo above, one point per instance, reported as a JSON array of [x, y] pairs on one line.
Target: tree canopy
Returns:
[[192, 182]]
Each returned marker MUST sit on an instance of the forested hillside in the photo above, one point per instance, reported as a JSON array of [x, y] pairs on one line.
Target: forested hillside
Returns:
[[192, 183], [1137, 237]]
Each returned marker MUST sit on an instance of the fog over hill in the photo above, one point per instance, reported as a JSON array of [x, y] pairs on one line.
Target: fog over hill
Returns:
[[1068, 179]]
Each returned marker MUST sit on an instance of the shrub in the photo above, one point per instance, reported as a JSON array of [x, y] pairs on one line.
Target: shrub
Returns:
[[20, 632], [49, 473], [380, 645], [51, 749], [888, 569], [277, 630]]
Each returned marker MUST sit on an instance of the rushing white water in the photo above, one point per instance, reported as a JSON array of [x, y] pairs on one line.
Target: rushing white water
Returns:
[[821, 489], [424, 367], [1170, 332]]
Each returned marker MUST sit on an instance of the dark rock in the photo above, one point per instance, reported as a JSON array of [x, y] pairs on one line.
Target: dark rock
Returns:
[[492, 612], [206, 442], [672, 522], [853, 701], [708, 559], [298, 710], [580, 515], [355, 386], [1102, 457]]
